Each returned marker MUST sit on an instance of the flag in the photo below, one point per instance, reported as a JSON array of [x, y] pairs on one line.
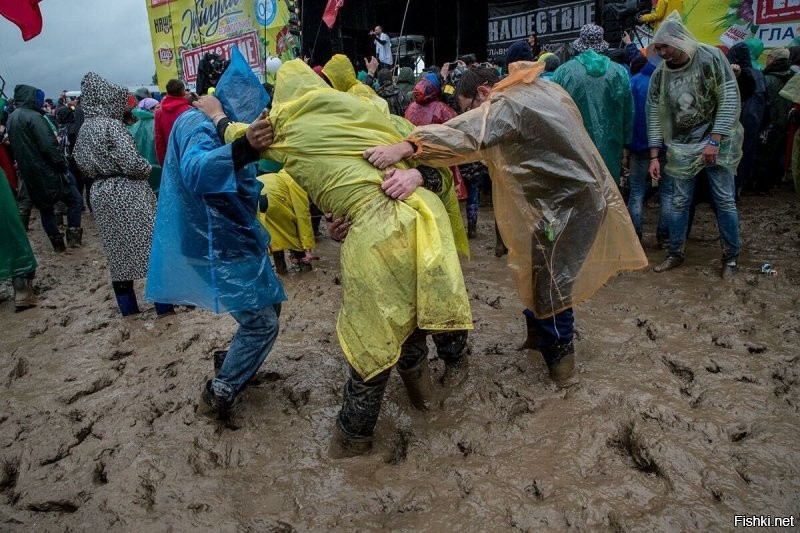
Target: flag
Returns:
[[331, 11], [25, 14]]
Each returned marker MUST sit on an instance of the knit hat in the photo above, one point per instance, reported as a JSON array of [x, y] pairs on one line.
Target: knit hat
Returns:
[[591, 37], [148, 103], [778, 53], [519, 51]]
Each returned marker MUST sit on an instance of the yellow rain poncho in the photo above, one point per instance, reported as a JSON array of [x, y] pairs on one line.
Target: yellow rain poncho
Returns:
[[339, 71], [400, 268], [685, 105], [558, 210], [288, 218]]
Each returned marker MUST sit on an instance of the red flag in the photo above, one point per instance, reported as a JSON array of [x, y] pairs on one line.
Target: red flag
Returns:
[[25, 14], [331, 12]]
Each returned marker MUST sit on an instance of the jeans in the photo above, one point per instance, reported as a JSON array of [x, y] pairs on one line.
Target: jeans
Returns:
[[473, 196], [251, 345], [362, 399], [723, 192], [553, 330], [638, 180], [74, 203]]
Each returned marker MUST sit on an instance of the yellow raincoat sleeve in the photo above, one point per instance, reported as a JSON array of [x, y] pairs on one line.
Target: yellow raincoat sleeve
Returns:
[[300, 206]]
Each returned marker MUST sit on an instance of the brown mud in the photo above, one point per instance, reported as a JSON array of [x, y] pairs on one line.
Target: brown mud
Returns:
[[684, 411]]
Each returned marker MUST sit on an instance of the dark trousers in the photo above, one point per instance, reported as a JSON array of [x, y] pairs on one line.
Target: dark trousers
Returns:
[[362, 399], [554, 330], [74, 203]]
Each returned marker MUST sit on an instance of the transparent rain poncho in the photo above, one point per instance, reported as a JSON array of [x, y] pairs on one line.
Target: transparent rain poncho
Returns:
[[400, 268], [685, 105], [557, 207]]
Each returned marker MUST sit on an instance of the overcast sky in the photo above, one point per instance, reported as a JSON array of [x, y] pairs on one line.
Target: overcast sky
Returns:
[[110, 37]]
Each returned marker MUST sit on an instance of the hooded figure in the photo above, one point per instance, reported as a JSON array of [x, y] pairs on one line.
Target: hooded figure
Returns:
[[143, 132], [753, 94], [427, 107], [406, 82], [773, 158], [601, 90], [395, 97], [124, 205]]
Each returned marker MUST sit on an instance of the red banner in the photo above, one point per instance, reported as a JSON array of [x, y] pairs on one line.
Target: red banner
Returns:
[[331, 12], [247, 44]]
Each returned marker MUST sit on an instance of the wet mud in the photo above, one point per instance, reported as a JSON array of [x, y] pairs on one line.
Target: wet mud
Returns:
[[683, 413]]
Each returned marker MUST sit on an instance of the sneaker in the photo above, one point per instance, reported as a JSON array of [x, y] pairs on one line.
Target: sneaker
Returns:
[[728, 269], [672, 261], [215, 406]]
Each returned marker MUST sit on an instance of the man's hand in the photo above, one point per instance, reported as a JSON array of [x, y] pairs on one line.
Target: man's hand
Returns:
[[626, 38], [209, 105], [337, 229], [655, 169], [710, 153], [400, 184], [445, 72], [736, 69], [372, 65], [386, 156], [259, 133]]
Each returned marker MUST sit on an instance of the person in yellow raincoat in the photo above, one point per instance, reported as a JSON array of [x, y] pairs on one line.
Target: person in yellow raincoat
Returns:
[[660, 12], [400, 271], [557, 207], [288, 220]]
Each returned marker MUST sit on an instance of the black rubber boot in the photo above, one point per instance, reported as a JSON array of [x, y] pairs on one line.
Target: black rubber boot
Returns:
[[74, 237], [280, 262], [58, 243], [214, 405], [343, 445], [560, 360], [418, 384], [472, 230], [300, 256]]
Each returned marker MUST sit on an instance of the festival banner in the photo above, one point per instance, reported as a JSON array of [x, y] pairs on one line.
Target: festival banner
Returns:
[[554, 22], [183, 31]]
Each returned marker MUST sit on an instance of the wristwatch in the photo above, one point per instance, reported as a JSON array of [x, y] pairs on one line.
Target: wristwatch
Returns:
[[712, 142]]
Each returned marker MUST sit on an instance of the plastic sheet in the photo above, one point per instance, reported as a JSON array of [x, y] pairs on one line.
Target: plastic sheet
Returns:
[[557, 207], [601, 90], [288, 218], [692, 102], [400, 268], [16, 256], [241, 94], [209, 249]]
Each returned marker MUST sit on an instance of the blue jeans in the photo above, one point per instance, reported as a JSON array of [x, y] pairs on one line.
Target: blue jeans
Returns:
[[473, 195], [251, 345], [557, 329], [639, 180], [723, 193]]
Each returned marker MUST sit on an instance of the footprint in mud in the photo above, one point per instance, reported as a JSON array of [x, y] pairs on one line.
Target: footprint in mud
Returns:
[[19, 370], [629, 443], [95, 387], [679, 370], [398, 449]]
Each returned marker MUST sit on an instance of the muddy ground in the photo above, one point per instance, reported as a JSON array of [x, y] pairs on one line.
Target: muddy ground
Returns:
[[685, 410]]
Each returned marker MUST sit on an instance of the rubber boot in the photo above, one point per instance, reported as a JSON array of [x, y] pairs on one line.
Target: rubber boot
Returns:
[[343, 445], [472, 230], [299, 256], [499, 247], [127, 304], [418, 384], [74, 237], [58, 243], [532, 339], [455, 372], [560, 361], [280, 262], [163, 310], [24, 297]]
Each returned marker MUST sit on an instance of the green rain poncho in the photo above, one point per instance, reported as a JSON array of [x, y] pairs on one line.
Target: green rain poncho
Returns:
[[601, 90], [400, 268], [685, 105], [143, 132], [16, 256]]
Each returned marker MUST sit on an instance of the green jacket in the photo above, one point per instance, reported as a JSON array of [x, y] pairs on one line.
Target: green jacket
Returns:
[[143, 132], [601, 90], [42, 166]]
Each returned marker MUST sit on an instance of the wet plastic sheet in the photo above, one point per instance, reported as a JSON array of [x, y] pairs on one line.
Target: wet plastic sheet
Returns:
[[557, 207], [241, 94], [288, 217]]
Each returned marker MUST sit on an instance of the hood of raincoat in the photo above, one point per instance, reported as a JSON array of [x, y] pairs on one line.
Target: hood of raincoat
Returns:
[[756, 48], [595, 64], [791, 91], [406, 75], [672, 32], [779, 67], [426, 91], [142, 114], [101, 98], [173, 103], [339, 71], [28, 97], [739, 54]]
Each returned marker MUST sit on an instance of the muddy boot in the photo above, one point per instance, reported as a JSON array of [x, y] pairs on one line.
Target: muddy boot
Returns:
[[58, 243], [728, 269], [302, 264], [343, 445], [418, 384], [280, 262], [672, 261], [532, 338], [472, 230], [455, 372], [128, 305], [24, 297], [560, 361], [499, 247], [74, 237], [213, 405]]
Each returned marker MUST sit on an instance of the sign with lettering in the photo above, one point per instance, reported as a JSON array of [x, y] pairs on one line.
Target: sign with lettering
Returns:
[[183, 31], [553, 22]]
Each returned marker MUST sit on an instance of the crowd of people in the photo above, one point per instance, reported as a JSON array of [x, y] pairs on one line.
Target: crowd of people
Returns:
[[203, 196]]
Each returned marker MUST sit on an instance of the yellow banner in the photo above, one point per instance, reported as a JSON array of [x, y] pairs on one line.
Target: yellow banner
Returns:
[[182, 31]]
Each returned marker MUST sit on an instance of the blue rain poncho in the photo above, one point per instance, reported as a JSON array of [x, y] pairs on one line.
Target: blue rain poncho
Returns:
[[209, 249]]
